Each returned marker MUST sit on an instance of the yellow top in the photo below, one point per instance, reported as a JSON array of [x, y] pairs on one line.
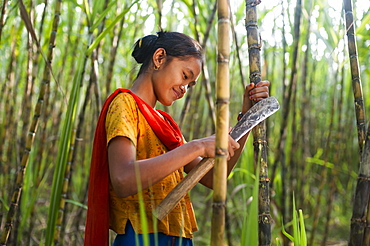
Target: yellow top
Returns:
[[125, 119]]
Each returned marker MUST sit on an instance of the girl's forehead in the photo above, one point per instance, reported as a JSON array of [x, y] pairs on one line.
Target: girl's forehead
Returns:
[[189, 61]]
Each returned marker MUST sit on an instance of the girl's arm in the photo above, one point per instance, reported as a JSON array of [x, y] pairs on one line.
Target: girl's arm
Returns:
[[122, 159]]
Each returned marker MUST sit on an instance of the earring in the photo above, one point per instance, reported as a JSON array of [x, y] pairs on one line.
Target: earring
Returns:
[[155, 67]]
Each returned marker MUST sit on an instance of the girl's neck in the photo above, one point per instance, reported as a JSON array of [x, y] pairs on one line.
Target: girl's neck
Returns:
[[143, 88]]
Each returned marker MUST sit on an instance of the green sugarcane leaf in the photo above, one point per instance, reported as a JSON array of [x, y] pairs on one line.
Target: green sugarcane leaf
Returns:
[[77, 203], [296, 233], [250, 237], [102, 16], [108, 29], [362, 28], [290, 237], [303, 235], [63, 149], [87, 10]]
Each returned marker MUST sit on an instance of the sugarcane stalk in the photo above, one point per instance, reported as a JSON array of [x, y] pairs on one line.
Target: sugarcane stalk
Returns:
[[59, 229], [259, 132], [5, 165], [222, 124], [355, 72], [324, 177], [58, 240], [359, 223], [366, 240], [304, 139], [3, 5], [194, 8], [5, 95], [280, 157], [159, 11], [33, 127], [113, 55], [359, 232], [337, 150], [28, 88]]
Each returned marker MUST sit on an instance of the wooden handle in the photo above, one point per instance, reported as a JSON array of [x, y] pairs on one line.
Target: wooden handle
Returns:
[[190, 180]]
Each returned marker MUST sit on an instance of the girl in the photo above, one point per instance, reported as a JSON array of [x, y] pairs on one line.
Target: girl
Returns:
[[140, 149]]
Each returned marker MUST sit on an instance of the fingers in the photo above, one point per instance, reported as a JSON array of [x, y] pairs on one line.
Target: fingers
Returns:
[[208, 144], [233, 145], [249, 87], [258, 92]]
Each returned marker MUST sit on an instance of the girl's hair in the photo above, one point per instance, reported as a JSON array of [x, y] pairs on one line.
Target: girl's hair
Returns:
[[176, 45]]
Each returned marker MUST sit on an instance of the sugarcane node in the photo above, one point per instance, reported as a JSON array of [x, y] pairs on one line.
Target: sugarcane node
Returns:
[[222, 101], [224, 20], [252, 3], [218, 204], [363, 177], [265, 218], [259, 141], [221, 152], [14, 204], [254, 75], [222, 59], [251, 24], [359, 221], [264, 179], [255, 46], [21, 169], [349, 12]]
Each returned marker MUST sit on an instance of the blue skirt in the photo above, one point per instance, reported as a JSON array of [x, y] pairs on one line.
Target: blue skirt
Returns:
[[130, 238]]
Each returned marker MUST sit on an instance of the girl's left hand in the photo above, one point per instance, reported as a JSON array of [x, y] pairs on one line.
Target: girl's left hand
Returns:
[[255, 93]]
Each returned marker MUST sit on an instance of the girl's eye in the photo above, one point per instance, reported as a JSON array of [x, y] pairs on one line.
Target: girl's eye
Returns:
[[185, 77], [191, 84]]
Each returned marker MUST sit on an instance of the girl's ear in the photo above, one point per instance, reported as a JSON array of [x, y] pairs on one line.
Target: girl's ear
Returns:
[[159, 57]]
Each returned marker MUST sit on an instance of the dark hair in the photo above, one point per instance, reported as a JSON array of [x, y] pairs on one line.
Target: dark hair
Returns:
[[176, 45]]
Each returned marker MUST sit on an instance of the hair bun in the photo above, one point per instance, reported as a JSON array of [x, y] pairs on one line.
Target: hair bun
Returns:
[[143, 47]]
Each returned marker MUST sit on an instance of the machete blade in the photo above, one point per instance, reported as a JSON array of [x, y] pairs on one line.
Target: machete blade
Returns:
[[255, 115]]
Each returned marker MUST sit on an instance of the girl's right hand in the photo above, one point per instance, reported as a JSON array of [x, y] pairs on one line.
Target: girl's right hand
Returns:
[[208, 144]]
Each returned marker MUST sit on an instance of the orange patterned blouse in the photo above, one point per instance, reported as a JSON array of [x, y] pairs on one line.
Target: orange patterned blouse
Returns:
[[125, 119]]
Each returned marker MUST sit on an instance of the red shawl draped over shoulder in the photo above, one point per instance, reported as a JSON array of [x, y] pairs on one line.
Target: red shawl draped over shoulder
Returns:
[[97, 221]]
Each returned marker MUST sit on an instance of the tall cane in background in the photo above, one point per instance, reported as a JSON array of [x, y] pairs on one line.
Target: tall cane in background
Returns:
[[16, 196], [259, 132], [222, 125], [359, 234]]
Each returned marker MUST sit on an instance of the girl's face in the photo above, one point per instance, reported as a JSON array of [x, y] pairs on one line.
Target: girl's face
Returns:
[[174, 77]]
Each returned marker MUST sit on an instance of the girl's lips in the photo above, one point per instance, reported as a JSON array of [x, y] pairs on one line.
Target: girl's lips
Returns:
[[177, 94]]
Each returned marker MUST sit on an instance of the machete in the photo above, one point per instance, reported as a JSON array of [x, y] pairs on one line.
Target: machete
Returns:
[[255, 115]]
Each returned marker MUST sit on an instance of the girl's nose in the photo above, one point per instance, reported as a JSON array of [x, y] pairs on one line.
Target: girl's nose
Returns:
[[183, 89]]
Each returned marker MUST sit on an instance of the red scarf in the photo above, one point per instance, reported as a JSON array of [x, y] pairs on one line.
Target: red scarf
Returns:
[[97, 222]]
